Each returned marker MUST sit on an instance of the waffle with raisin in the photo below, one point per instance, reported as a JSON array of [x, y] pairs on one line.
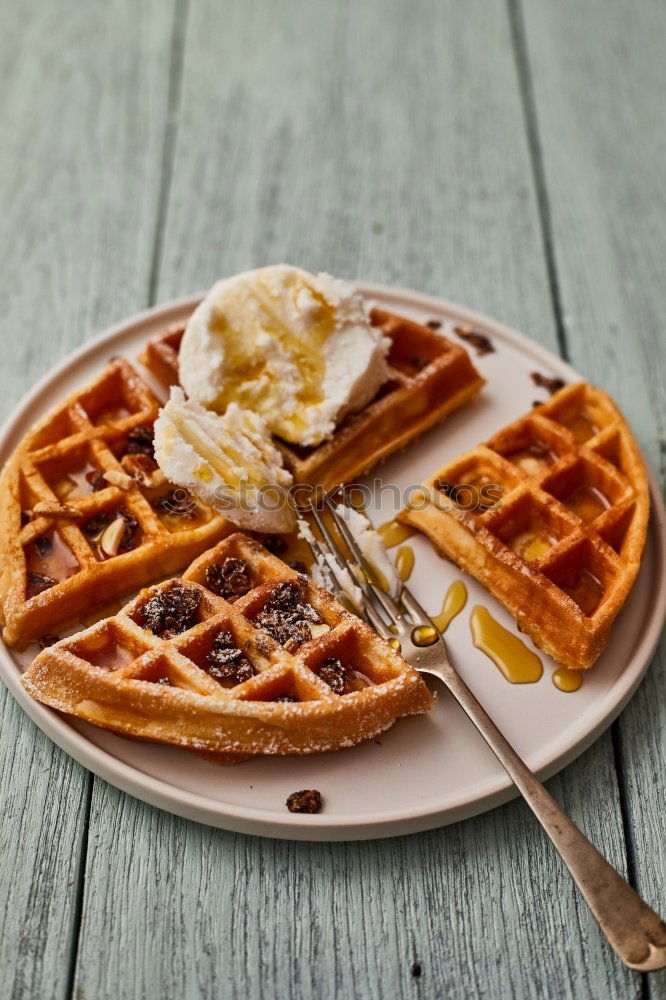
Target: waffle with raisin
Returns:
[[87, 515], [551, 516], [241, 656], [429, 377]]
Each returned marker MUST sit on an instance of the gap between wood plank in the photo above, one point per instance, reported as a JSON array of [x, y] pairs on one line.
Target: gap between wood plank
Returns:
[[170, 131], [80, 889], [519, 39]]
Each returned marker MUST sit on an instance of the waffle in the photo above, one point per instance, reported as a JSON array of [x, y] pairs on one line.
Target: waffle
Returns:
[[429, 377], [121, 675], [562, 545], [54, 499]]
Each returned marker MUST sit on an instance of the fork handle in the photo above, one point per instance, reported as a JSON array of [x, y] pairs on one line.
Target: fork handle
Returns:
[[635, 932]]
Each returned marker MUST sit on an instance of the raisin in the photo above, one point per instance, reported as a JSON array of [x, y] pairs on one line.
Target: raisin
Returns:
[[172, 611], [479, 341], [275, 544], [96, 480], [306, 801], [285, 617], [334, 674], [95, 525], [553, 385], [227, 662], [229, 579], [38, 583], [140, 441], [129, 535], [48, 639], [178, 501]]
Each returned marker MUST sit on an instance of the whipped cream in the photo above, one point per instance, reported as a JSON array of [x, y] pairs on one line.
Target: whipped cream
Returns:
[[296, 348], [229, 461]]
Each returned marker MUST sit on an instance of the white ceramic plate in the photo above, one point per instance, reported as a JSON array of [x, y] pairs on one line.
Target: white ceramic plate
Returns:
[[426, 771]]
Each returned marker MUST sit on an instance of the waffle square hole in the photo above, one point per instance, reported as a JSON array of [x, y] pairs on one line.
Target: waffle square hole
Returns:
[[585, 489], [226, 655], [348, 663], [475, 487], [291, 614], [112, 532], [530, 447], [113, 399], [109, 648], [74, 475], [158, 670], [580, 412], [614, 449], [411, 352], [178, 509], [582, 573], [173, 609], [529, 528], [615, 530], [58, 428], [49, 560]]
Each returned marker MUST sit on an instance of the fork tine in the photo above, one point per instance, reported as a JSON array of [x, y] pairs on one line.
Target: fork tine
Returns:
[[320, 550], [388, 603]]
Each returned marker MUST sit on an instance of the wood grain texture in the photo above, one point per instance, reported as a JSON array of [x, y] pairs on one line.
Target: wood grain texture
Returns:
[[599, 79], [82, 114], [386, 143]]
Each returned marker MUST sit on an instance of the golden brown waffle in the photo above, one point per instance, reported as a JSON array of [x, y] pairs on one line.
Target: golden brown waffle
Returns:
[[52, 489], [562, 547], [120, 675], [429, 377]]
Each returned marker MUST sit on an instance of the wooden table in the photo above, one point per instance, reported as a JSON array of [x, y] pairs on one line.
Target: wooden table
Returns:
[[506, 155]]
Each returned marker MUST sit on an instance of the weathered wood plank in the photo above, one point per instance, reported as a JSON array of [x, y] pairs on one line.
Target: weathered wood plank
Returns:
[[386, 143], [82, 117], [599, 80]]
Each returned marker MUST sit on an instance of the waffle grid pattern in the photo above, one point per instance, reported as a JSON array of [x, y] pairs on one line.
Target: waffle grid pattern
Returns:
[[87, 432], [429, 377], [563, 547], [119, 675]]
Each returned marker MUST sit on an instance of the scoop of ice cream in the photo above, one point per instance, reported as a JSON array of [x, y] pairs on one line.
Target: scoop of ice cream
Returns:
[[229, 461], [296, 348]]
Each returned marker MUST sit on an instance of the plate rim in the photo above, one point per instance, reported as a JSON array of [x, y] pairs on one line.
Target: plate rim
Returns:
[[250, 820]]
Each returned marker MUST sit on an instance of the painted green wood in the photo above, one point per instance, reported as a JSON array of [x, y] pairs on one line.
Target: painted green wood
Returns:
[[82, 117], [599, 80], [387, 144]]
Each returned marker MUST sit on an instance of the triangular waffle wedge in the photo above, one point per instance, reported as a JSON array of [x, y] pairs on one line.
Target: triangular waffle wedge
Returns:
[[429, 377], [59, 563], [215, 681], [562, 545]]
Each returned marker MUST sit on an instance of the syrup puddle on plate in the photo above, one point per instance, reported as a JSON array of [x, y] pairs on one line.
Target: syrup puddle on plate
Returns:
[[509, 653], [567, 680], [393, 533], [404, 562], [454, 601]]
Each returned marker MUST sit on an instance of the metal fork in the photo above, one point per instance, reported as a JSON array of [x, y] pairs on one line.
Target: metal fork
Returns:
[[635, 932]]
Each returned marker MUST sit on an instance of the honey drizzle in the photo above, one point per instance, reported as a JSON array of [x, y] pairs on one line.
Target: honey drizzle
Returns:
[[454, 601], [509, 653], [404, 562], [567, 680], [393, 533]]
